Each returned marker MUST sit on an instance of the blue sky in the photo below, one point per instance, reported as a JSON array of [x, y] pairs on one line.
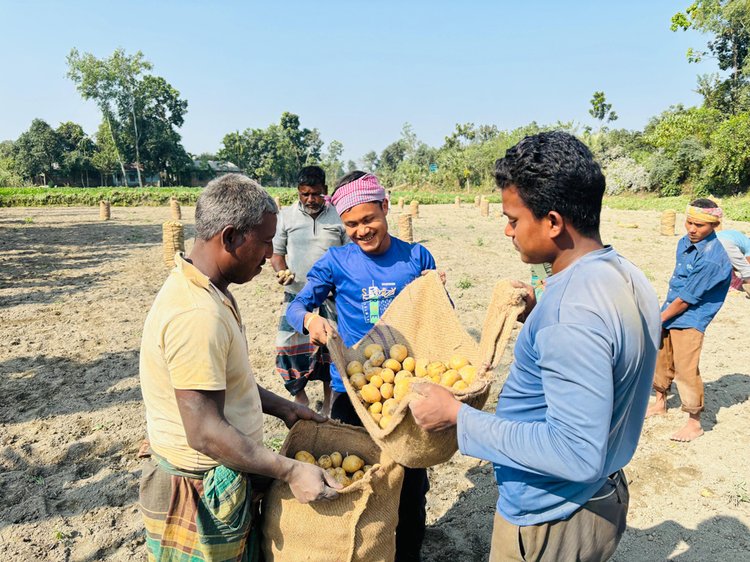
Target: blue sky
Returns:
[[357, 70]]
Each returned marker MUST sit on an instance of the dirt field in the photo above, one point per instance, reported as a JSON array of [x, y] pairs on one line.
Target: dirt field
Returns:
[[74, 292]]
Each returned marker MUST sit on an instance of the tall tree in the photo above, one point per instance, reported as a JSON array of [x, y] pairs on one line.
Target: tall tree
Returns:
[[138, 107], [728, 21]]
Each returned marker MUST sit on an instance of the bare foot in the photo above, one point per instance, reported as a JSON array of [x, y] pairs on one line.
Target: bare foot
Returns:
[[659, 407], [691, 430]]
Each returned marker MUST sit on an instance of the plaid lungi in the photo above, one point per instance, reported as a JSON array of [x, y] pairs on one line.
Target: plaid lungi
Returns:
[[192, 517], [297, 359]]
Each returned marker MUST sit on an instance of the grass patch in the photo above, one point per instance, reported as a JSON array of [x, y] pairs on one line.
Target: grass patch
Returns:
[[464, 283]]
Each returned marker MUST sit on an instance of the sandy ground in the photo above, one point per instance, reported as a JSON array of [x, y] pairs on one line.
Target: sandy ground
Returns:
[[74, 292]]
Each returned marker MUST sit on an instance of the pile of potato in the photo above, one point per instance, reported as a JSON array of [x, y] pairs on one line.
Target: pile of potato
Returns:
[[382, 382], [344, 470]]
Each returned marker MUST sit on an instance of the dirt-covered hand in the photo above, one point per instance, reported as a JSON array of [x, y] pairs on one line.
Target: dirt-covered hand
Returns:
[[437, 410], [320, 330], [310, 483]]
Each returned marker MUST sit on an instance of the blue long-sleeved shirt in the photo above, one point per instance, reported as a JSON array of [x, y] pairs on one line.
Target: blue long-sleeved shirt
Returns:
[[701, 278], [572, 408], [364, 285]]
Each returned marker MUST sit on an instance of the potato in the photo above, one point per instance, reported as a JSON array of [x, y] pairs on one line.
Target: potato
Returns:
[[402, 375], [402, 388], [352, 463], [392, 364], [376, 381], [458, 361], [376, 416], [358, 380], [436, 368], [359, 475], [468, 373], [375, 407], [399, 352], [389, 407], [409, 364], [336, 459], [449, 378], [354, 367], [366, 467], [370, 393], [460, 385], [386, 391], [420, 367], [324, 462], [384, 422], [304, 456], [387, 375], [373, 348], [331, 471], [377, 358]]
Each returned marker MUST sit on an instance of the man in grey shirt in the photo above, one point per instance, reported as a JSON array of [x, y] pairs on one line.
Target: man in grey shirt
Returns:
[[304, 232]]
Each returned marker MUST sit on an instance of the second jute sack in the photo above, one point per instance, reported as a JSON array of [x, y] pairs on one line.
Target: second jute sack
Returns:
[[422, 318], [359, 525]]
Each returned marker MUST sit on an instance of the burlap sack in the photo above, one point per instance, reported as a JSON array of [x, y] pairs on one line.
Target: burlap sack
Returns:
[[484, 208], [173, 241], [668, 218], [414, 209], [422, 318], [104, 210], [405, 231], [359, 525], [174, 205]]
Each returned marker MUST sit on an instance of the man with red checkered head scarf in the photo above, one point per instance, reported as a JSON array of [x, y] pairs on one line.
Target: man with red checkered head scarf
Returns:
[[365, 277]]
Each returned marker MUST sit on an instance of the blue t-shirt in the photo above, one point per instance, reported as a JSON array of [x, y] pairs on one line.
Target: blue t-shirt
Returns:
[[364, 285], [572, 408], [737, 239], [701, 278]]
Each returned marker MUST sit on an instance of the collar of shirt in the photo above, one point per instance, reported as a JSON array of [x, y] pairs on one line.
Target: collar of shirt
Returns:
[[699, 246], [198, 278]]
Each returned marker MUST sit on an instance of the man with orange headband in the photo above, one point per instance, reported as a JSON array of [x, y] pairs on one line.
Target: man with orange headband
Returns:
[[697, 290], [365, 277]]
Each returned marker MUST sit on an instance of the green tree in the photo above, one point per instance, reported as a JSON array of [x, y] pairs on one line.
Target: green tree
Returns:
[[37, 152], [77, 151], [601, 110], [728, 165], [332, 163], [370, 162], [142, 110], [728, 21]]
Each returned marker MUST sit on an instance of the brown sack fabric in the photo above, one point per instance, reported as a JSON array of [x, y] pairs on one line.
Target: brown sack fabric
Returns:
[[359, 525], [422, 318]]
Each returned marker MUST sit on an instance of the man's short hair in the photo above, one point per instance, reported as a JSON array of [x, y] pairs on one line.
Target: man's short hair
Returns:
[[232, 199], [703, 203], [349, 178], [313, 176], [554, 171]]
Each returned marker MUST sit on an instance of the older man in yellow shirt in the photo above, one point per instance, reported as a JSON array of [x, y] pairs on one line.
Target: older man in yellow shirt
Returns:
[[204, 409]]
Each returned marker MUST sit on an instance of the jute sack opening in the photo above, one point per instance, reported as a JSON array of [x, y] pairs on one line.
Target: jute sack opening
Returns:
[[358, 525], [422, 318]]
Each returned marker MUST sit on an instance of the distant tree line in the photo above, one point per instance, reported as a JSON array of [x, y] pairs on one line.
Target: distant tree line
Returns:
[[697, 150]]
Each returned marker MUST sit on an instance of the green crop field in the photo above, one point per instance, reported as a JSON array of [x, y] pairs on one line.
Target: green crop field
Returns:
[[736, 208]]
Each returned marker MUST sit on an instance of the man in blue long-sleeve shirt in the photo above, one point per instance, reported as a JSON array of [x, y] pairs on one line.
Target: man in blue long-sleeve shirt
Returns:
[[571, 412], [365, 276]]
